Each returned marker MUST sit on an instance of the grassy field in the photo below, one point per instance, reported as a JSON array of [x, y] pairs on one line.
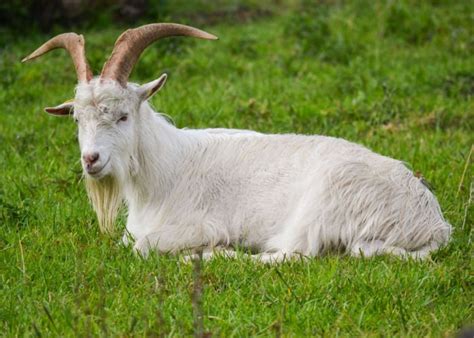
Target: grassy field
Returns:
[[394, 76]]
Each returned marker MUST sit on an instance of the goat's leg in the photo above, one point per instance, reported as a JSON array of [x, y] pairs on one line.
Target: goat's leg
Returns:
[[210, 253], [276, 257], [425, 251], [168, 239], [127, 238], [376, 247], [372, 248], [367, 248], [144, 244], [264, 257]]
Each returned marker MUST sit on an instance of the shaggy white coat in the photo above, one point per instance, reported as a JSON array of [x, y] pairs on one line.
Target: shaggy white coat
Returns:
[[277, 194]]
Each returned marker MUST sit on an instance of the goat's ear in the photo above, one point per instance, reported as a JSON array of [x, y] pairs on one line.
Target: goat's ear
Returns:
[[64, 109], [149, 89]]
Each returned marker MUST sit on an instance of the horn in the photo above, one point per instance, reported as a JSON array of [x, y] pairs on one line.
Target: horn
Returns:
[[130, 45], [74, 44]]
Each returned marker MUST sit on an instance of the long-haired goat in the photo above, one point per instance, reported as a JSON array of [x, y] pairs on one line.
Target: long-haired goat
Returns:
[[280, 195]]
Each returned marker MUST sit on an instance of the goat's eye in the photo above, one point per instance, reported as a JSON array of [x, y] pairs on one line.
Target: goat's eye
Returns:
[[76, 120], [123, 118]]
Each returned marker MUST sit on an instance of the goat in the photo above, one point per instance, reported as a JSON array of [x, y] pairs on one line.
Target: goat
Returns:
[[281, 195]]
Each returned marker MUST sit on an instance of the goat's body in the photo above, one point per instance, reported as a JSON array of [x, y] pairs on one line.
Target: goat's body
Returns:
[[274, 193], [279, 194]]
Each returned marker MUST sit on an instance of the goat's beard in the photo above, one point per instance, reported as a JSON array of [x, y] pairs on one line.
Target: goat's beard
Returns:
[[106, 199]]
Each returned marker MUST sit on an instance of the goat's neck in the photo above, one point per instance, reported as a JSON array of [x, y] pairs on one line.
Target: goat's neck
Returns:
[[160, 151]]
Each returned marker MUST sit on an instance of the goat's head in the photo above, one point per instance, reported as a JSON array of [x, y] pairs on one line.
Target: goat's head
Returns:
[[106, 108]]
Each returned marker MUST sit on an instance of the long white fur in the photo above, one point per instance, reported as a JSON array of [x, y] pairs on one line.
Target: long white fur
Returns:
[[278, 194]]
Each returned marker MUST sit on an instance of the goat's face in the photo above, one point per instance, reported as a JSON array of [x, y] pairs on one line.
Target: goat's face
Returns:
[[108, 122], [105, 123], [106, 108]]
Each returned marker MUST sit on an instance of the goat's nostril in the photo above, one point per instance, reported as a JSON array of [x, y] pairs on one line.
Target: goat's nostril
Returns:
[[90, 159]]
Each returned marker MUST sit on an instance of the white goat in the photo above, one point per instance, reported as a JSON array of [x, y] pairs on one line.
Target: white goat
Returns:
[[278, 194]]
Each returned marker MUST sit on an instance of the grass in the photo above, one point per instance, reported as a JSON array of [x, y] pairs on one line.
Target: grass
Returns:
[[397, 77]]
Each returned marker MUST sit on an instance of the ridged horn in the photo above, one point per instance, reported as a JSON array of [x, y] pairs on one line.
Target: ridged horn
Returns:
[[75, 45], [131, 44]]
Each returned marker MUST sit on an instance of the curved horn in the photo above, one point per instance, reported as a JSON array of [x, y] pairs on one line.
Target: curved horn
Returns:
[[130, 45], [74, 44]]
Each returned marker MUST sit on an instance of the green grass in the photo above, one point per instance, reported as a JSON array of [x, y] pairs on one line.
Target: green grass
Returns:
[[397, 77]]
